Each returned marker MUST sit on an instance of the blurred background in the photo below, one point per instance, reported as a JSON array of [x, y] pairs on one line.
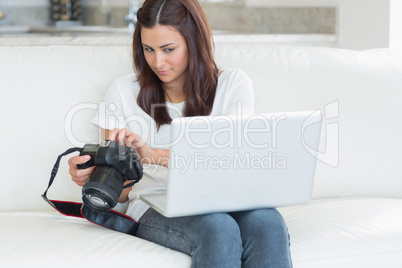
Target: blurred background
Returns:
[[353, 24]]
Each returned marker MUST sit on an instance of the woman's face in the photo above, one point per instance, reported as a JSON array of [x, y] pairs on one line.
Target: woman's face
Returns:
[[166, 53]]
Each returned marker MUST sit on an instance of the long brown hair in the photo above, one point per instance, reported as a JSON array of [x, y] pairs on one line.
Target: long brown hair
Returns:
[[188, 18]]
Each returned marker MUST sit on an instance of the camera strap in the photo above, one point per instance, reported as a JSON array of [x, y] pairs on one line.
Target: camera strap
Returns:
[[112, 220]]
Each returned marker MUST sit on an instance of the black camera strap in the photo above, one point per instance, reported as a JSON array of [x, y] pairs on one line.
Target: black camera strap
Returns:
[[111, 220]]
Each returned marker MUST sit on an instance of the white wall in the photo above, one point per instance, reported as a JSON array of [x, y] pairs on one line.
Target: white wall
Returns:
[[363, 24], [115, 3], [16, 3], [395, 41], [46, 2]]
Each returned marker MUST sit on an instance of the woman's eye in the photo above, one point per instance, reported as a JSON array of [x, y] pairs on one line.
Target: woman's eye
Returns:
[[169, 50], [148, 49]]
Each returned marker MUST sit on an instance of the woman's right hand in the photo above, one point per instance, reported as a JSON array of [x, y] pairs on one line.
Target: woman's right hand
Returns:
[[79, 176]]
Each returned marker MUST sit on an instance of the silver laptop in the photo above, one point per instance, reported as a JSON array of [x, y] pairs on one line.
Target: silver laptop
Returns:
[[239, 162]]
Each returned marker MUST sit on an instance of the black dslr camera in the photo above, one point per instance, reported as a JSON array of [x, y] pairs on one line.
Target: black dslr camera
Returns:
[[114, 164]]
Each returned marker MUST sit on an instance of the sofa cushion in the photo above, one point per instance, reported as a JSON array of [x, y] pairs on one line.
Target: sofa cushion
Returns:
[[48, 239], [346, 232], [331, 233]]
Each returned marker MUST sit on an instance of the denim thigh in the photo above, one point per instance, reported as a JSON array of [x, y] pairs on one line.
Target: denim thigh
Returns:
[[211, 240], [255, 238]]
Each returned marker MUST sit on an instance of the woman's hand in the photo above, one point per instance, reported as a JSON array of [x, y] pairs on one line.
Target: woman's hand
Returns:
[[79, 176], [147, 154]]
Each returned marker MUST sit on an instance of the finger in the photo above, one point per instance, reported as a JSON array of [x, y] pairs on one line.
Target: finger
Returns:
[[80, 180], [80, 176], [112, 134], [135, 141], [131, 139], [121, 136], [74, 161], [75, 172]]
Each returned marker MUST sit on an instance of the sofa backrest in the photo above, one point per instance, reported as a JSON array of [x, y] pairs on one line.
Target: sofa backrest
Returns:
[[49, 93]]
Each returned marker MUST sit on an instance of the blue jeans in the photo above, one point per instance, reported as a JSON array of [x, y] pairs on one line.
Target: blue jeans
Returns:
[[255, 238]]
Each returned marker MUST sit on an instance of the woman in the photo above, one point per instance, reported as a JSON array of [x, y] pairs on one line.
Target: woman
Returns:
[[177, 76]]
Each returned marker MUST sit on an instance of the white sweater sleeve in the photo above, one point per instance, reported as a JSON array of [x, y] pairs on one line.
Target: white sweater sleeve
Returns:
[[110, 109], [119, 104], [236, 92]]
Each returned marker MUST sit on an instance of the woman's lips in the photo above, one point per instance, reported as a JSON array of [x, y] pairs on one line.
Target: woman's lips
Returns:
[[162, 72]]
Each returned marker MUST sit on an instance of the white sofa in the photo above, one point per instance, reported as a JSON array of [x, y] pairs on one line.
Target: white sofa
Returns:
[[49, 94]]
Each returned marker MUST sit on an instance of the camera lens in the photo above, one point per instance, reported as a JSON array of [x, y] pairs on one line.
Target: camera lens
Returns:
[[97, 201], [103, 189]]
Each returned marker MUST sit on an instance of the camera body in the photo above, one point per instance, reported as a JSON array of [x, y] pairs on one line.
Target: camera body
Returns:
[[114, 165]]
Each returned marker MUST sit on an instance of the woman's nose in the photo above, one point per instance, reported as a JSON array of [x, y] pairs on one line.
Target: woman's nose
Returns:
[[159, 60]]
